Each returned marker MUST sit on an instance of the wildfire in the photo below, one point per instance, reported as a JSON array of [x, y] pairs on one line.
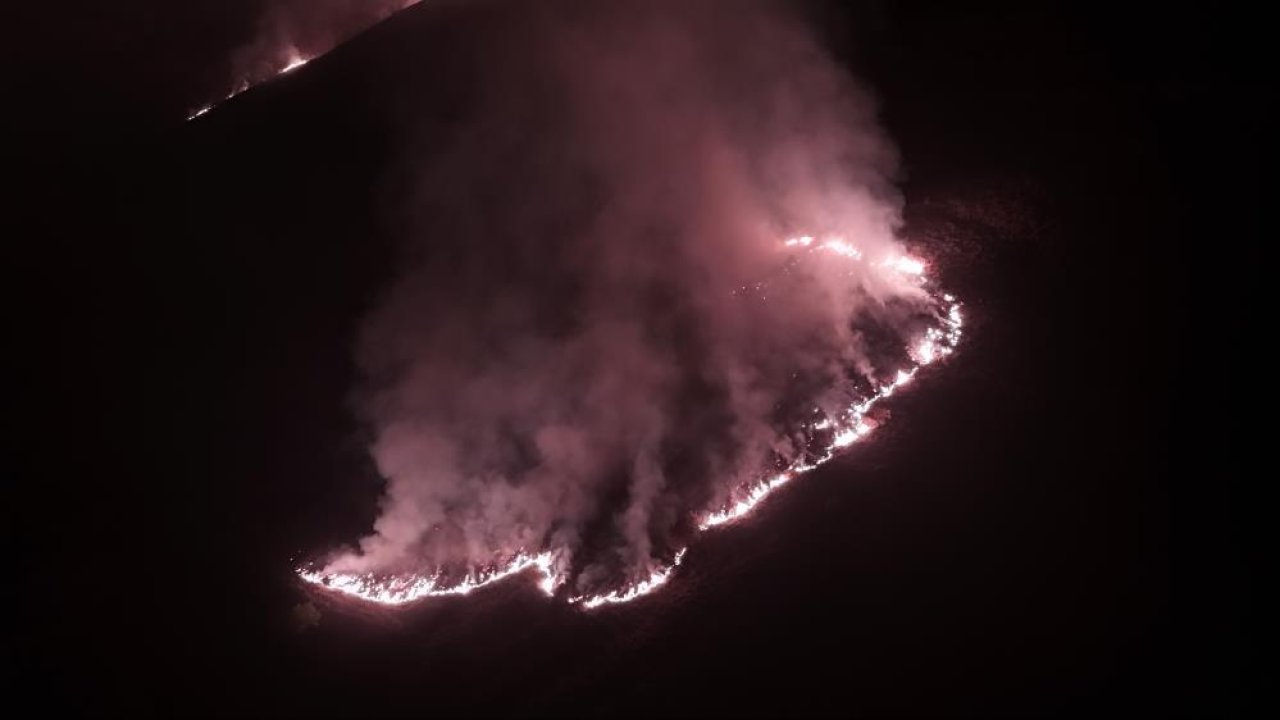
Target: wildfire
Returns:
[[844, 429], [296, 60], [656, 579], [905, 265], [403, 589]]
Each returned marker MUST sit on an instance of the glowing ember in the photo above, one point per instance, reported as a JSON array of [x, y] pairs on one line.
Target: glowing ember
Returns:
[[844, 429]]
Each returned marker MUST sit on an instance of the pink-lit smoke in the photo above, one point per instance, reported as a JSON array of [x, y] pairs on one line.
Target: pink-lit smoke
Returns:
[[599, 337]]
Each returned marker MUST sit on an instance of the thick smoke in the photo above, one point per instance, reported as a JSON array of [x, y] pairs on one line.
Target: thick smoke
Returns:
[[596, 332]]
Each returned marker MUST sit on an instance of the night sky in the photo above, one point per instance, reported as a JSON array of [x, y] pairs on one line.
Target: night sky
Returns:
[[1051, 524]]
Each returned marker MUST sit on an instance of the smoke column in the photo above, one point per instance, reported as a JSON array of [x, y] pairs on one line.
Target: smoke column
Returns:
[[650, 271]]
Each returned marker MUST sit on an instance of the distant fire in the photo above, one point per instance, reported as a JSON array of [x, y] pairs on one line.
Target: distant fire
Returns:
[[273, 56], [293, 62], [399, 590], [843, 429]]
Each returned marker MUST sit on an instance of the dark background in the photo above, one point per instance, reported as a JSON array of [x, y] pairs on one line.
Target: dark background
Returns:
[[1051, 524]]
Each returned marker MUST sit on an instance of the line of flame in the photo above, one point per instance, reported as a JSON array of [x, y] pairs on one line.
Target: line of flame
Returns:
[[850, 426], [656, 579], [295, 62], [404, 589]]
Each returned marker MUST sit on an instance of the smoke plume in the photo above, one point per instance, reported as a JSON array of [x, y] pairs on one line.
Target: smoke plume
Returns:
[[596, 332]]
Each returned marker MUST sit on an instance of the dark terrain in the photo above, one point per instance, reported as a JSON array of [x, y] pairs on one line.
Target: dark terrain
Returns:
[[1044, 526]]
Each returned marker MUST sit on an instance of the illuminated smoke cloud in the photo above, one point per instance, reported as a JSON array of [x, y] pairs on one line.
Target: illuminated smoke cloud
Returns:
[[653, 274]]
